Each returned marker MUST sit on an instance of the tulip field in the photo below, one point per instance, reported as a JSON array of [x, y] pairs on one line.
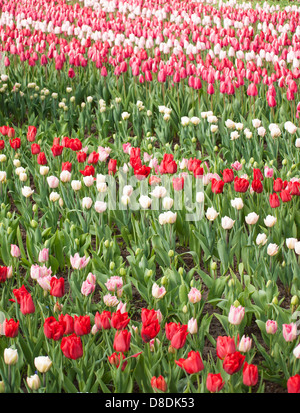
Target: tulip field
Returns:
[[149, 196]]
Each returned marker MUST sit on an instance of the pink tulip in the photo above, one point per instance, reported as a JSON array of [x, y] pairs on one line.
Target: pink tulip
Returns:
[[44, 255], [271, 327], [236, 315], [289, 331], [15, 251]]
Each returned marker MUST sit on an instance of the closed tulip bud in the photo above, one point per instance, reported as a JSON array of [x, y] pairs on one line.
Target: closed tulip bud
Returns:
[[231, 283], [284, 162], [294, 300], [106, 243], [112, 265], [171, 253], [10, 356], [122, 272], [33, 382], [164, 280], [9, 230], [213, 266], [275, 301], [111, 244], [33, 223], [137, 251], [180, 271], [2, 387], [184, 309], [148, 273]]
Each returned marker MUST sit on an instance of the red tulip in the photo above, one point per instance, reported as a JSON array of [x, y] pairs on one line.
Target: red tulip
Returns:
[[82, 325], [233, 362], [71, 347], [41, 159], [122, 341], [228, 175], [192, 364], [159, 383], [115, 360], [274, 200], [102, 320], [250, 374], [53, 329], [57, 287], [31, 133], [293, 384], [214, 382], [67, 322], [119, 320], [11, 328]]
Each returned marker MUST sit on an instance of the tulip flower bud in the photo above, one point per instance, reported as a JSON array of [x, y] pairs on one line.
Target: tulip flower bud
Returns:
[[176, 147], [106, 243], [293, 167], [9, 214], [180, 271], [111, 266], [194, 140], [275, 301], [9, 230], [184, 309], [294, 300], [231, 283], [137, 251], [150, 146], [122, 272], [2, 387], [2, 206], [251, 160], [236, 303], [271, 162], [269, 283], [283, 264], [111, 244], [33, 223], [213, 266], [171, 253], [76, 241], [34, 208], [148, 273], [243, 161], [284, 162], [216, 149], [255, 165], [164, 280]]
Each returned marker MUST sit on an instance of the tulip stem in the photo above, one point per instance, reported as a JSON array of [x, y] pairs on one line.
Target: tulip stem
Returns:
[[9, 378]]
